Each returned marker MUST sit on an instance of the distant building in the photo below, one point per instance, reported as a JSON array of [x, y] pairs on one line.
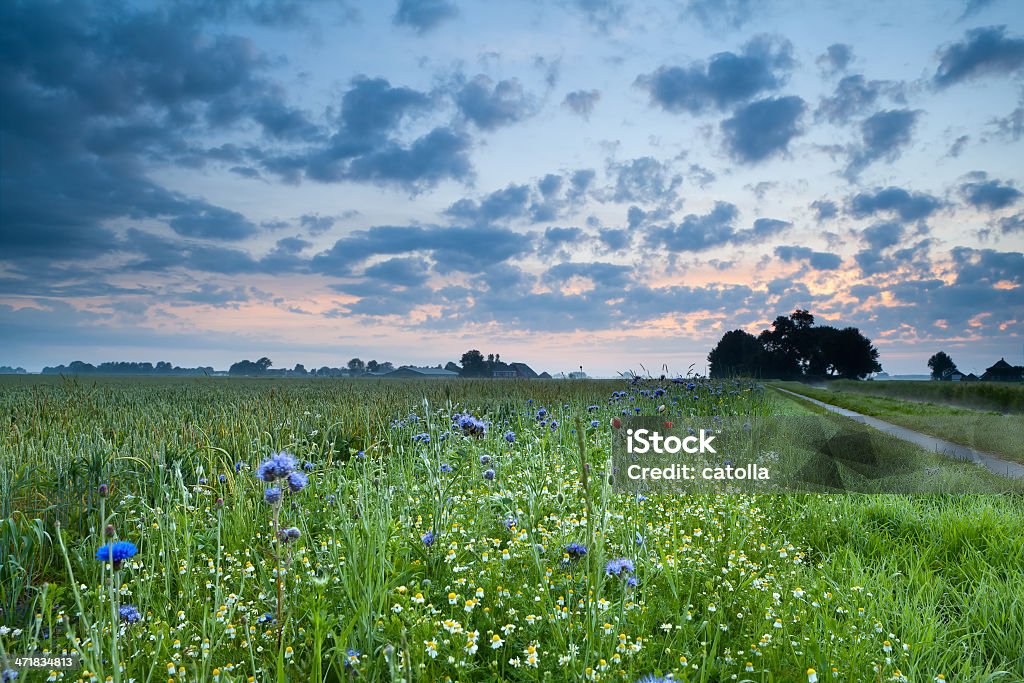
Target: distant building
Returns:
[[544, 375], [409, 371], [971, 377], [515, 371], [1003, 372], [577, 374]]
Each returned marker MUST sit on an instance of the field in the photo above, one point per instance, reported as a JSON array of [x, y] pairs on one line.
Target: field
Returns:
[[999, 396], [999, 431], [466, 531]]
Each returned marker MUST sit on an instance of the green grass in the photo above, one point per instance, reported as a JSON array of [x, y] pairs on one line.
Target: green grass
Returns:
[[1001, 434], [1004, 397], [875, 586]]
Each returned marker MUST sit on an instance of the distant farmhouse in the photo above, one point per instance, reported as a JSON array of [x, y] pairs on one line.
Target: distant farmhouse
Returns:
[[1003, 372], [411, 371], [516, 371]]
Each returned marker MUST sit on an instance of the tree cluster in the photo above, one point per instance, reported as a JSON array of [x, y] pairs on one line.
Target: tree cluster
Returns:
[[941, 365], [474, 364], [124, 368], [795, 348]]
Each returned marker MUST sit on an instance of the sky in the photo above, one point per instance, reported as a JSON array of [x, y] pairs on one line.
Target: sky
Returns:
[[594, 183]]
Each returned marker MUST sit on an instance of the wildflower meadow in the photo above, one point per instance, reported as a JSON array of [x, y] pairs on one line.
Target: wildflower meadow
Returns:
[[438, 530]]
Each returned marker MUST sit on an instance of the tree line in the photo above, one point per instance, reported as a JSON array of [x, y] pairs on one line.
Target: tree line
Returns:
[[795, 348]]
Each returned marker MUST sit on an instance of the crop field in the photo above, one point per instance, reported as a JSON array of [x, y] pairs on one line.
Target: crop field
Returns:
[[347, 530], [1005, 397]]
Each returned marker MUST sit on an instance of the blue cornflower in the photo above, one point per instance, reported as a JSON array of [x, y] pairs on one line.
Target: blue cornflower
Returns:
[[485, 459], [352, 658], [309, 467], [511, 522], [489, 475], [591, 408], [116, 552], [203, 481], [272, 495], [292, 533], [422, 437], [595, 423], [360, 455], [691, 386], [554, 425], [428, 538], [297, 481], [631, 581], [651, 678], [541, 414], [445, 468], [471, 426], [277, 466], [620, 566], [575, 550], [266, 618], [510, 437], [129, 614], [8, 675], [238, 466], [222, 478]]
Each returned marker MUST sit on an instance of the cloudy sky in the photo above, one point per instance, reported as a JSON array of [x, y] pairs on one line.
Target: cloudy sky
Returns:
[[604, 183]]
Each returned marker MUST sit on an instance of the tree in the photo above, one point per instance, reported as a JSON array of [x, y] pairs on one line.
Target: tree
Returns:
[[372, 366], [942, 365], [473, 364], [737, 353], [851, 355], [299, 369], [263, 364], [356, 367]]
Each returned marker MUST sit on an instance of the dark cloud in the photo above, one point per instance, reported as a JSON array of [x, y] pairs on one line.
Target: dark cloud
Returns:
[[988, 267], [818, 260], [423, 15], [556, 237], [909, 206], [725, 80], [1012, 224], [722, 14], [600, 13], [644, 179], [957, 148], [853, 96], [883, 136], [983, 193], [984, 51], [213, 222], [824, 209], [469, 249], [972, 7], [882, 235], [836, 58], [582, 102], [316, 224], [1011, 126], [713, 229], [508, 203], [615, 239], [603, 275], [210, 295], [365, 146], [491, 105], [763, 129], [404, 272]]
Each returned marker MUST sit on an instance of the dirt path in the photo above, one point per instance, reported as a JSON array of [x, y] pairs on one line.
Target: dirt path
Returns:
[[932, 443]]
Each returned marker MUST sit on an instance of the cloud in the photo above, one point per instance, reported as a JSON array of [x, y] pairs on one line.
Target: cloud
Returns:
[[818, 260], [835, 58], [713, 229], [988, 267], [582, 102], [824, 209], [556, 237], [883, 136], [719, 14], [994, 194], [984, 51], [423, 15], [600, 13], [644, 179], [615, 239], [725, 80], [403, 272], [763, 129], [508, 203], [853, 96], [491, 105], [316, 224], [212, 222], [1012, 224], [882, 235], [468, 249], [909, 206]]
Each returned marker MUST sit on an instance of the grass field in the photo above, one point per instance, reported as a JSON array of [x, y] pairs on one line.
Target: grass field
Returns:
[[1001, 434], [1004, 397], [492, 548]]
